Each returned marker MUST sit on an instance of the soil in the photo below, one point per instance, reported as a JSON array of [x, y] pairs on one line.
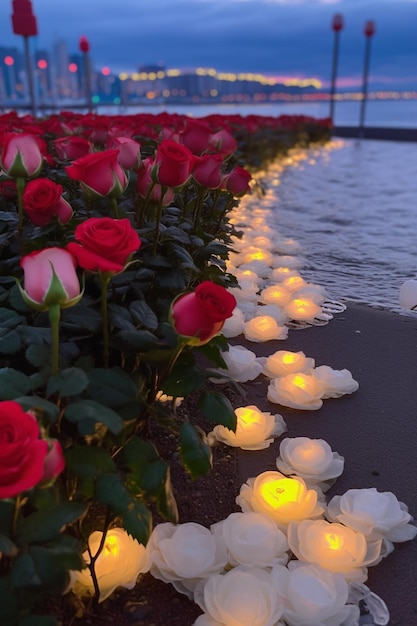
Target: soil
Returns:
[[205, 500]]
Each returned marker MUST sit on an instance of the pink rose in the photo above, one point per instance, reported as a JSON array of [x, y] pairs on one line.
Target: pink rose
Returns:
[[50, 278], [237, 182], [54, 462], [21, 155], [22, 452], [42, 201], [173, 164], [144, 181], [72, 147], [207, 170], [200, 315], [223, 142], [99, 173], [105, 244], [129, 151]]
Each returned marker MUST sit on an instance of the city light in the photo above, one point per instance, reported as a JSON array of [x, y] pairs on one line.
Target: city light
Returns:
[[8, 60], [42, 64]]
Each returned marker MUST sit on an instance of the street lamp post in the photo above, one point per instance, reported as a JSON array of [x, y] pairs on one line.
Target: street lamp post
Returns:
[[24, 23], [84, 46], [337, 26], [369, 31]]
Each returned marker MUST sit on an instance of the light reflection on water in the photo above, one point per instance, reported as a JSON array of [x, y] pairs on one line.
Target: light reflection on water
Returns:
[[353, 209]]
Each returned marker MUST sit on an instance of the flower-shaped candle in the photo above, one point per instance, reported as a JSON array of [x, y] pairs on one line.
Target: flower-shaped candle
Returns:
[[242, 364], [275, 294], [256, 254], [255, 429], [282, 499], [264, 328], [281, 273], [297, 391], [302, 309], [294, 283], [312, 459], [336, 383], [284, 362], [334, 547]]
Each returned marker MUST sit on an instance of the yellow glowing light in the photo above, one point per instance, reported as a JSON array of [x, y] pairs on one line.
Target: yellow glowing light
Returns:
[[247, 416], [289, 357], [299, 381], [278, 493], [111, 546], [257, 256], [333, 541]]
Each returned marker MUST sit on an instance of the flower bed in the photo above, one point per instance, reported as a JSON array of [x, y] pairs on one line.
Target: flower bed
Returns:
[[115, 287]]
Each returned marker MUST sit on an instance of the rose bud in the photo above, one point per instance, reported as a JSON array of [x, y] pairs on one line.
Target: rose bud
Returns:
[[200, 315], [105, 244], [173, 164], [223, 142], [42, 201], [207, 170], [129, 151], [144, 181], [50, 278], [54, 462], [21, 155], [237, 182], [196, 136], [99, 173], [72, 147]]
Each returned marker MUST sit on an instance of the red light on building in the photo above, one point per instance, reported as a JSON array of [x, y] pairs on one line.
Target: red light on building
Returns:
[[105, 71], [337, 23], [369, 28], [42, 64], [8, 60], [84, 44], [73, 67]]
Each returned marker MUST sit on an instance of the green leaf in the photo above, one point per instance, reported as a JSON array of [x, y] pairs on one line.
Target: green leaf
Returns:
[[93, 411], [6, 516], [137, 521], [45, 525], [136, 341], [38, 620], [120, 317], [23, 573], [43, 409], [183, 380], [195, 452], [36, 336], [113, 387], [111, 491], [86, 461], [38, 356], [10, 319], [14, 383], [155, 482], [10, 341], [143, 314], [7, 546], [217, 408], [51, 572], [81, 317], [68, 382]]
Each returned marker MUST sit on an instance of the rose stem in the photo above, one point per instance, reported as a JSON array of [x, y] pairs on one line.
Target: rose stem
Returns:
[[54, 313], [105, 279]]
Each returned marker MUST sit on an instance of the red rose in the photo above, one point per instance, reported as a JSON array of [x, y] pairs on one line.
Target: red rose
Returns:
[[71, 148], [105, 244], [144, 181], [100, 173], [196, 136], [223, 142], [207, 170], [173, 164], [22, 452], [200, 315], [237, 182], [42, 201], [21, 155]]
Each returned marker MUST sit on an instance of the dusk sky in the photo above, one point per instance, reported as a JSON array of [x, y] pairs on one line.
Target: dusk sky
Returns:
[[273, 37]]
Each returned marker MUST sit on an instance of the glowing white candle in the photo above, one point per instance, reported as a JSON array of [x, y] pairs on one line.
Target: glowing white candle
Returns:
[[302, 309], [298, 391], [284, 362], [276, 294]]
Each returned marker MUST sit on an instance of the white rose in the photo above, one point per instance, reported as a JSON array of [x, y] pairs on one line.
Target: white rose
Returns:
[[284, 362], [335, 383], [286, 245], [282, 272], [248, 309], [184, 554], [312, 459], [273, 310], [245, 292], [233, 326], [280, 498], [313, 595], [316, 293], [241, 596], [254, 429], [253, 540], [378, 515], [264, 328], [275, 294], [297, 391], [334, 547], [408, 294], [242, 365], [118, 565]]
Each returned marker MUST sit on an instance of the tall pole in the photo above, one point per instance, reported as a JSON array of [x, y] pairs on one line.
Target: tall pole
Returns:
[[369, 31], [24, 23], [84, 46], [337, 26]]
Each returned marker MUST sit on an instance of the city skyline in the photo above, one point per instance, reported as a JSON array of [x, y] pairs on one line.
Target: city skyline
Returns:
[[281, 38]]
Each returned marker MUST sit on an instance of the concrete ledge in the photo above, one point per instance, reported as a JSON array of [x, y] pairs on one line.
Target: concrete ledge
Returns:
[[376, 132]]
